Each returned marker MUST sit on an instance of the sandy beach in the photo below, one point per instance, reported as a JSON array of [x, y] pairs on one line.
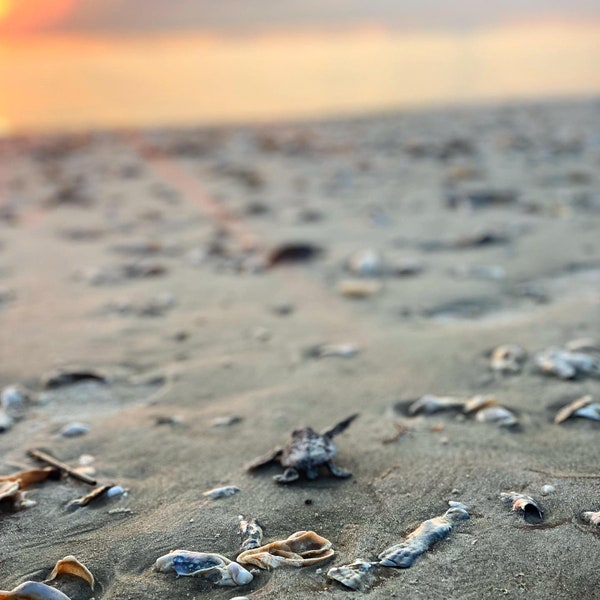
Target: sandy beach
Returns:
[[151, 258]]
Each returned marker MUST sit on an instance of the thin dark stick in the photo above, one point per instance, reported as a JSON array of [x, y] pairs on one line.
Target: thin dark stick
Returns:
[[54, 462]]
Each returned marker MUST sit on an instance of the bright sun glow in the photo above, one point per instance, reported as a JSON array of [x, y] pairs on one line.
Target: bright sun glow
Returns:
[[23, 16]]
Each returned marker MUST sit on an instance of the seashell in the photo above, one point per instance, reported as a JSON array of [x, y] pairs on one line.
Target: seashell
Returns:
[[582, 407], [306, 453], [356, 576], [429, 404], [301, 549], [213, 567], [358, 288], [365, 263], [93, 495], [476, 403], [508, 358], [10, 493], [74, 430], [221, 492], [31, 476], [69, 565], [326, 350], [33, 590], [252, 533], [592, 517], [547, 489], [403, 555], [496, 414], [115, 490], [532, 513], [14, 400], [565, 364], [225, 421]]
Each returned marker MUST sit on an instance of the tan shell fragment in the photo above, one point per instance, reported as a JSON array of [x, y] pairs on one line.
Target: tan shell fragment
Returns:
[[31, 476], [10, 492], [592, 517], [508, 358], [358, 288], [582, 407], [301, 549], [69, 565], [33, 590]]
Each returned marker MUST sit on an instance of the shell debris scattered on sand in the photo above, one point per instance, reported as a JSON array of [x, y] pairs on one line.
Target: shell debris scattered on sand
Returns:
[[583, 407], [213, 567], [69, 565], [306, 453], [251, 532], [33, 590], [508, 358], [221, 492], [566, 364], [532, 513], [592, 517], [301, 549], [358, 575], [403, 555]]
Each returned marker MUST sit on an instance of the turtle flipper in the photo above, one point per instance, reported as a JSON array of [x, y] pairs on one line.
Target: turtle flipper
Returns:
[[338, 471], [265, 459], [289, 475], [339, 427]]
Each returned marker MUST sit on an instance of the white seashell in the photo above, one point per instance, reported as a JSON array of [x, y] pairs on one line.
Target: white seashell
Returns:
[[86, 460], [455, 504], [547, 489], [115, 490], [567, 365], [582, 407], [14, 400], [74, 429], [403, 555], [532, 513], [429, 404], [496, 414], [356, 576], [592, 517], [366, 263], [221, 492], [251, 532], [34, 590], [214, 567], [301, 549], [508, 358]]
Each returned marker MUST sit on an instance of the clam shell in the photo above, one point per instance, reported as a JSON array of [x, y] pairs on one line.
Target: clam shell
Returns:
[[496, 414], [214, 567], [567, 365], [69, 565], [301, 549], [33, 590], [403, 555], [532, 513], [356, 576], [582, 407], [252, 533], [430, 404]]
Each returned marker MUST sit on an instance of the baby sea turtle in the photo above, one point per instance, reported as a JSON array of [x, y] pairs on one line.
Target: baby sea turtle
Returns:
[[307, 451]]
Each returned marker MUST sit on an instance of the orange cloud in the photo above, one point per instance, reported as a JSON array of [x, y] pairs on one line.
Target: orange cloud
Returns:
[[24, 16]]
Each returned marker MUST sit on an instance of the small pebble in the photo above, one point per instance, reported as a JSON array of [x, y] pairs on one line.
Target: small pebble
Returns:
[[548, 489], [115, 490], [74, 430]]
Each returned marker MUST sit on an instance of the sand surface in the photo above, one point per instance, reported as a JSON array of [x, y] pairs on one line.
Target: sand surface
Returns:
[[204, 338]]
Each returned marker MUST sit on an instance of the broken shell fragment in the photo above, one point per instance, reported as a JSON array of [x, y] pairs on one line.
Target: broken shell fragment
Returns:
[[33, 590], [365, 263], [592, 517], [31, 476], [532, 513], [430, 404], [221, 492], [477, 403], [403, 555], [496, 414], [252, 533], [326, 350], [582, 407], [93, 495], [301, 549], [567, 365], [508, 358], [213, 567], [356, 576], [74, 430], [69, 565], [225, 421], [358, 288]]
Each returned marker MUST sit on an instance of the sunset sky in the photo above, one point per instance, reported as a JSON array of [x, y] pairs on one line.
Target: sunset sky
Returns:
[[92, 63]]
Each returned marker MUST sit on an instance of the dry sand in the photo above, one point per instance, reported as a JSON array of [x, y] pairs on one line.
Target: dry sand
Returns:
[[218, 347]]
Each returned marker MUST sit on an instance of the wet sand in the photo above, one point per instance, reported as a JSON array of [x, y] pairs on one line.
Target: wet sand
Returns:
[[201, 337]]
